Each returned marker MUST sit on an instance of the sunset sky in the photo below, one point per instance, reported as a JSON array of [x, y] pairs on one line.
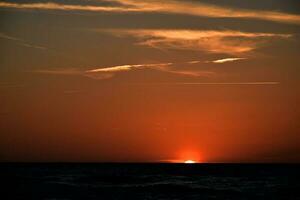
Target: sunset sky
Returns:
[[150, 80]]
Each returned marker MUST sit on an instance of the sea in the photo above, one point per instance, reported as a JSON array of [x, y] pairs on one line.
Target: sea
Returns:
[[149, 181]]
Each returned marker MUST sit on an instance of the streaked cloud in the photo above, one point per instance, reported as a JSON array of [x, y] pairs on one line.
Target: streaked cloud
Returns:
[[220, 83], [194, 62], [166, 6], [115, 68], [67, 71], [75, 72], [21, 42], [129, 67], [214, 41], [209, 10], [224, 60], [62, 6], [193, 73], [109, 72], [4, 85]]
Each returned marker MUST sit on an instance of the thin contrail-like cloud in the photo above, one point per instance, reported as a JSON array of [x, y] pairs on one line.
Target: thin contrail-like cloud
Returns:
[[225, 60], [109, 72], [129, 67], [67, 71], [10, 85], [67, 7], [218, 83], [115, 68], [22, 42], [166, 6], [164, 67]]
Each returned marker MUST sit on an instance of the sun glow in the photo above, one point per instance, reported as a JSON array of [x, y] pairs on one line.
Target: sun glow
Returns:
[[189, 162]]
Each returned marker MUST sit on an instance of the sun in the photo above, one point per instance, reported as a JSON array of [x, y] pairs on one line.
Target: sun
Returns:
[[189, 162]]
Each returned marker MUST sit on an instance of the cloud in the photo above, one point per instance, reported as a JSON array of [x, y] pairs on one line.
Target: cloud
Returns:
[[109, 72], [193, 73], [221, 83], [4, 85], [60, 71], [22, 42], [166, 6], [75, 72], [213, 41], [129, 67], [115, 68], [224, 60], [194, 62], [61, 6], [209, 10]]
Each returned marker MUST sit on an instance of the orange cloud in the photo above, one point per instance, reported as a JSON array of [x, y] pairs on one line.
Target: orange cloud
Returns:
[[224, 60], [128, 67], [228, 42], [61, 6], [68, 71], [164, 67], [109, 72], [222, 83], [209, 10], [166, 6]]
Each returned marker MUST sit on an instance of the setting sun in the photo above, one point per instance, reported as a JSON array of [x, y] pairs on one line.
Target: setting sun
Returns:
[[189, 162]]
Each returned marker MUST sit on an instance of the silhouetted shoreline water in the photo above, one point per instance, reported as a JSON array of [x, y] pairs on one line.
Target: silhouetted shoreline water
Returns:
[[149, 181]]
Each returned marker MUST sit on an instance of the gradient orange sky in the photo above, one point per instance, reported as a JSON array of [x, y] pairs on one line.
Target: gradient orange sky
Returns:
[[150, 81]]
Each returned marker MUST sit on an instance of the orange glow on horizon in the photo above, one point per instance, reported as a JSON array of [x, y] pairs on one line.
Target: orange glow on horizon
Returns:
[[186, 156], [190, 156], [190, 162]]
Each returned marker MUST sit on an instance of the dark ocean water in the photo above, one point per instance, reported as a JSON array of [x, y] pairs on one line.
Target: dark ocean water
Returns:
[[150, 181]]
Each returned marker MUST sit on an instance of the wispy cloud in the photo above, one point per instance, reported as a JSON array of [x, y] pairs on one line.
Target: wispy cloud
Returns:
[[66, 71], [214, 41], [115, 68], [4, 85], [130, 67], [193, 73], [166, 6], [61, 6], [224, 60], [219, 83], [194, 62], [22, 42], [109, 72], [106, 72], [209, 10]]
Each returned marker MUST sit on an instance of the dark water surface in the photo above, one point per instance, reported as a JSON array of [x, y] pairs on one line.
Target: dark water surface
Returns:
[[149, 181]]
